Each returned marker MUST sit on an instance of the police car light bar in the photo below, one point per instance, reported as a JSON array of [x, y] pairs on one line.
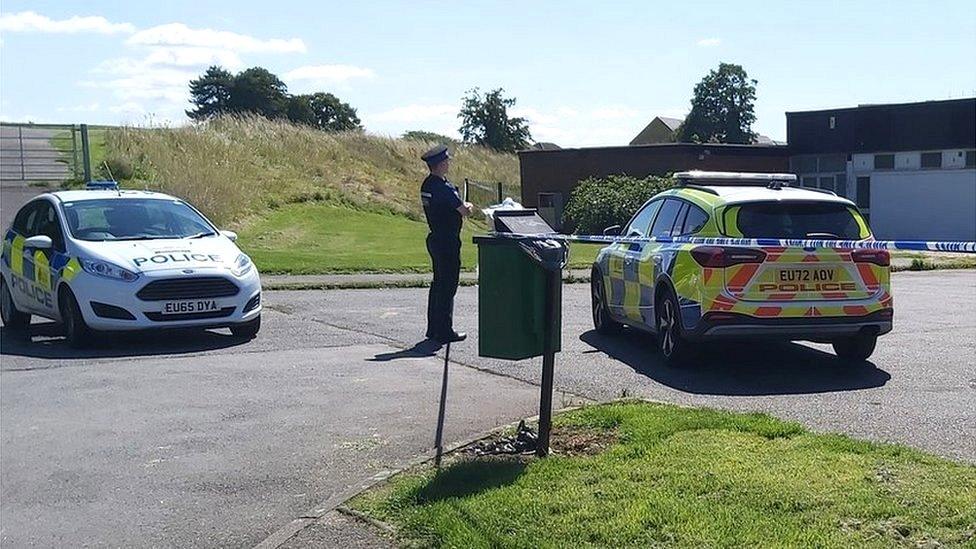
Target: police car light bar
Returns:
[[698, 177], [102, 186]]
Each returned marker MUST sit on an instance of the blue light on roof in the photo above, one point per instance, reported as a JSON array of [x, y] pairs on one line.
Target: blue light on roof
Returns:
[[102, 186]]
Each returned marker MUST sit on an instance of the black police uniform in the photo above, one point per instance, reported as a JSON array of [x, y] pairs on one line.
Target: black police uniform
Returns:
[[441, 202]]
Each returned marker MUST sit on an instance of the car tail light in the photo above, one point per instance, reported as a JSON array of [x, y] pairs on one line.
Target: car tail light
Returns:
[[879, 257], [719, 256]]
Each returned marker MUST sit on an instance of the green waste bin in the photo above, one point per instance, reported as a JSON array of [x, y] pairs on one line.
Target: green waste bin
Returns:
[[517, 280]]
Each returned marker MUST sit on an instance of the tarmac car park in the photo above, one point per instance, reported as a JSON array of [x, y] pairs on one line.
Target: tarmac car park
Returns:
[[105, 259], [685, 292]]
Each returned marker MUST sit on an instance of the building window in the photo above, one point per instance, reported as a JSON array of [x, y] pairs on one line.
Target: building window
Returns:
[[809, 182], [971, 159], [932, 160], [827, 183], [863, 193], [884, 161], [841, 185], [832, 122]]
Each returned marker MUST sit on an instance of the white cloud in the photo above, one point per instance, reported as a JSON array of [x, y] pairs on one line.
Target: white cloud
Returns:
[[416, 113], [179, 56], [178, 34], [327, 75], [709, 42], [91, 107], [614, 113], [28, 21]]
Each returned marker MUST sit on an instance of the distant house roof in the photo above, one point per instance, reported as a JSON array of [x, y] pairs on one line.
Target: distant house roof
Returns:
[[545, 146], [673, 123]]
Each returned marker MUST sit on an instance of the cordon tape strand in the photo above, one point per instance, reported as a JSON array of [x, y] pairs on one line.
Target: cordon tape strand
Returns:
[[959, 246]]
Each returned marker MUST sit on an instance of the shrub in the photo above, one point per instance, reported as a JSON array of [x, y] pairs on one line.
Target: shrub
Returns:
[[116, 167], [598, 203]]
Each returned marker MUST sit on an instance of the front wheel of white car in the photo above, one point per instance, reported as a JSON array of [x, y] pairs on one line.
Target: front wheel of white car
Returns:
[[12, 318], [247, 330], [76, 330]]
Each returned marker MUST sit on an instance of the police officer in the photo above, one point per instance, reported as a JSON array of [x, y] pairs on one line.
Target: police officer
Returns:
[[444, 210]]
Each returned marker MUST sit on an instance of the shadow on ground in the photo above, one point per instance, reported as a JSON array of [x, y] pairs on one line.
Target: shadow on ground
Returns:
[[427, 347], [742, 368], [467, 478], [45, 340]]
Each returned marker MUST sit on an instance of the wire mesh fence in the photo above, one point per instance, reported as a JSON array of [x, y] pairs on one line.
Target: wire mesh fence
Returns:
[[42, 152]]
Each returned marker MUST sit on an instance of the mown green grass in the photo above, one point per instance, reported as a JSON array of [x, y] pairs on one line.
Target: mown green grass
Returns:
[[681, 477], [62, 142], [323, 237]]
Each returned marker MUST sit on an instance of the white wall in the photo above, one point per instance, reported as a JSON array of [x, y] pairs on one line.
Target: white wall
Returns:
[[924, 205]]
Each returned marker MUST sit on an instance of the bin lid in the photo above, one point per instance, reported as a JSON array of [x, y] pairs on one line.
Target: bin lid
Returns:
[[527, 221]]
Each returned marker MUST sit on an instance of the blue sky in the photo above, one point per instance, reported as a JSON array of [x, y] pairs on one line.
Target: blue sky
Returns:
[[584, 73]]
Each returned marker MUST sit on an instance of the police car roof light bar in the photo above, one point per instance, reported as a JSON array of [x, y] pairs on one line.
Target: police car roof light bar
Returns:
[[698, 177], [103, 185]]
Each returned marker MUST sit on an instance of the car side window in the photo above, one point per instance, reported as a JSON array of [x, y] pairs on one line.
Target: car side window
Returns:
[[639, 225], [666, 218], [25, 220], [46, 223], [694, 221]]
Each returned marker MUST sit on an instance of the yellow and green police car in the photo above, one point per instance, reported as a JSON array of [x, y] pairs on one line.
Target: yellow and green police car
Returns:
[[686, 293]]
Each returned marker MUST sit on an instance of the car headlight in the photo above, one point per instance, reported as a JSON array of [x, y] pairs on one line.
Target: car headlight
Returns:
[[107, 270], [242, 265]]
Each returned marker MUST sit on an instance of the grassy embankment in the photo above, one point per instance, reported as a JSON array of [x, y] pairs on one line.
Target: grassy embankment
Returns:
[[302, 200], [650, 475]]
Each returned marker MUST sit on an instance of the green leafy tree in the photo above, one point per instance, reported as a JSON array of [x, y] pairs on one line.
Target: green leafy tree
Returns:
[[331, 114], [299, 110], [601, 202], [258, 90], [430, 137], [485, 121], [722, 108], [210, 94]]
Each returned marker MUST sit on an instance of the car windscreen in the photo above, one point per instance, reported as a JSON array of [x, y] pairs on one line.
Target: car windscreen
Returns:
[[134, 219], [795, 220]]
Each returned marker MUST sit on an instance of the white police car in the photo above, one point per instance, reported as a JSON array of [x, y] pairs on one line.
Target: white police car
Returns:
[[105, 259]]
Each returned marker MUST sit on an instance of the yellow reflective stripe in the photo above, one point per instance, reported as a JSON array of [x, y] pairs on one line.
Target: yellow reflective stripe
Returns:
[[731, 216], [862, 227], [17, 255], [42, 271], [70, 270], [632, 300]]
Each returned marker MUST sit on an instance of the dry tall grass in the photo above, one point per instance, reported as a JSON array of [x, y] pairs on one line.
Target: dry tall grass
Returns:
[[237, 166]]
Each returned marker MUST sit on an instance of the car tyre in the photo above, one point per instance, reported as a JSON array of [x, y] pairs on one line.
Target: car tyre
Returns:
[[247, 330], [670, 333], [602, 321], [76, 330], [11, 316], [856, 348]]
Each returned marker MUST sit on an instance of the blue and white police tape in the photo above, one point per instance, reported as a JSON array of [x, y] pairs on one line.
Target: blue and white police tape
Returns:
[[959, 246]]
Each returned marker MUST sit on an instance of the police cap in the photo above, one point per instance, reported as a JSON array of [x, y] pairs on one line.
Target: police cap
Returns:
[[435, 155]]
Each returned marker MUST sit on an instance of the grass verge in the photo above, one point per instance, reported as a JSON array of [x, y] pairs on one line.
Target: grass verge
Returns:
[[682, 477], [321, 238]]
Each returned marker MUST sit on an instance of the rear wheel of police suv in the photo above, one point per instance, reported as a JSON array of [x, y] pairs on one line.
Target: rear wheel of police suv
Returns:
[[247, 330], [856, 348], [12, 318], [601, 313], [670, 333], [76, 330]]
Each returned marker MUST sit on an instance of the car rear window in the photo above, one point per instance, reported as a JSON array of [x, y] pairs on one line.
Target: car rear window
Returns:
[[796, 220]]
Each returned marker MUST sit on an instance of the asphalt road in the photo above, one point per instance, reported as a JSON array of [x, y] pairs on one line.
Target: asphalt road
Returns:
[[203, 440]]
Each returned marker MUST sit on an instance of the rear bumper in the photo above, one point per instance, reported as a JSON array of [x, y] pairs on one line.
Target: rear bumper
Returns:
[[735, 325]]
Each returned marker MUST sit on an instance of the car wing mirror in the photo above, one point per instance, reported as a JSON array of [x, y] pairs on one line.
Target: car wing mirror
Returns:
[[231, 235], [612, 230], [39, 242]]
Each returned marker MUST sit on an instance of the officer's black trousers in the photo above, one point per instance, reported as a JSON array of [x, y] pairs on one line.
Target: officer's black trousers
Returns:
[[445, 257]]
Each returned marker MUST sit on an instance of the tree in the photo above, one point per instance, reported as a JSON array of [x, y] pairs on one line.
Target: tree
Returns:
[[331, 114], [299, 111], [258, 90], [210, 94], [722, 108], [485, 121], [431, 137]]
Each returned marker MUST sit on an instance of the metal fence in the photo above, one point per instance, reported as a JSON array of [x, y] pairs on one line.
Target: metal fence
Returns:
[[44, 152]]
